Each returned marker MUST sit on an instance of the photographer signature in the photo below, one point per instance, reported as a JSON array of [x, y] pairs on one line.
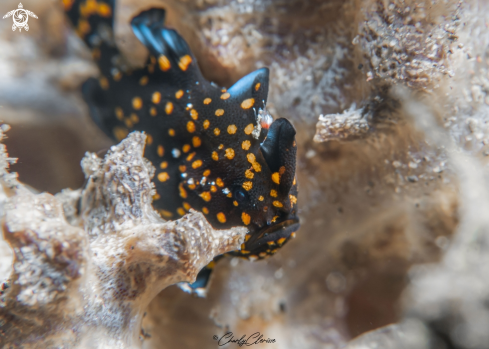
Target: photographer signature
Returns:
[[255, 338]]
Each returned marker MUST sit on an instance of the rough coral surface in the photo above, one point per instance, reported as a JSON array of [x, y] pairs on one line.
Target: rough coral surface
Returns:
[[408, 41], [91, 277]]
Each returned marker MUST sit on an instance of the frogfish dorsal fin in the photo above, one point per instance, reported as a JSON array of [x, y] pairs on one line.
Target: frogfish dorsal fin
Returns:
[[164, 44]]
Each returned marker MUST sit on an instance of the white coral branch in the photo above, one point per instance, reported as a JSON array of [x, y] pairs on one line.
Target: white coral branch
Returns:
[[350, 124]]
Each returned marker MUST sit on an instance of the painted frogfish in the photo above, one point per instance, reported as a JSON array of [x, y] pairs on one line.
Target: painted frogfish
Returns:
[[215, 150]]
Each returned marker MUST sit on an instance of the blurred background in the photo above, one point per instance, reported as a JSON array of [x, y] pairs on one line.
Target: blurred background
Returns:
[[392, 191]]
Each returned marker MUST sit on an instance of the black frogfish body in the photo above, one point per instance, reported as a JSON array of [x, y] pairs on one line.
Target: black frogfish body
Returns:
[[215, 150]]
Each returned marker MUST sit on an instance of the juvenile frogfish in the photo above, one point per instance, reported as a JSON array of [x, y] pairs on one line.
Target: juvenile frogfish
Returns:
[[215, 150]]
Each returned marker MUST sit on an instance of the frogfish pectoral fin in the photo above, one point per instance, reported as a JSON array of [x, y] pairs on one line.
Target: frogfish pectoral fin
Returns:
[[279, 150]]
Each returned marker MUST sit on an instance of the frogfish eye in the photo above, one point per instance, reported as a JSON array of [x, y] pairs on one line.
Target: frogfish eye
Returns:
[[240, 195]]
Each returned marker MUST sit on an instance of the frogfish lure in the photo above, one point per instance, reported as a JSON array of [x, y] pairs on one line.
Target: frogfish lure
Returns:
[[215, 150]]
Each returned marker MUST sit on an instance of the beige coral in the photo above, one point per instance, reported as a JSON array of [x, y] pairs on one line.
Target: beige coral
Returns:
[[91, 276]]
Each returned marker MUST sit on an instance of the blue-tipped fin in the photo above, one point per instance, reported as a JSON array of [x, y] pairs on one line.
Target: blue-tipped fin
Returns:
[[254, 85], [164, 44]]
